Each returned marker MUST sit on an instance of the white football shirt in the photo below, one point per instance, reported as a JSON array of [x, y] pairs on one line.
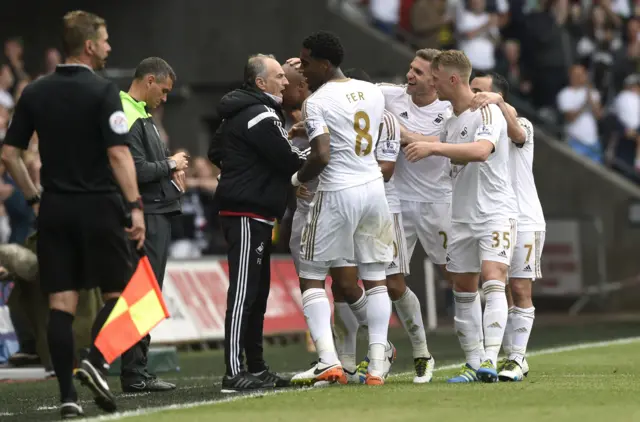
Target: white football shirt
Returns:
[[482, 191], [531, 217], [350, 111], [428, 179], [387, 150]]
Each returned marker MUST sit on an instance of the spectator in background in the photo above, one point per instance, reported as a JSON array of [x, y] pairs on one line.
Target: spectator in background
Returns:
[[626, 108], [513, 71], [545, 52], [429, 24], [596, 48], [6, 87], [580, 106], [478, 35], [385, 15], [52, 58], [627, 60], [204, 180], [187, 229], [13, 51]]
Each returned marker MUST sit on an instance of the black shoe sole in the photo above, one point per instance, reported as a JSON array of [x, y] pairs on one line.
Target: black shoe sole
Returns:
[[103, 398]]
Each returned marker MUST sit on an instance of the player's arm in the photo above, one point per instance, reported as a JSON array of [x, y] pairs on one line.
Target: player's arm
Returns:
[[515, 132], [486, 137], [320, 141], [388, 145], [114, 126], [266, 134], [407, 137], [17, 140]]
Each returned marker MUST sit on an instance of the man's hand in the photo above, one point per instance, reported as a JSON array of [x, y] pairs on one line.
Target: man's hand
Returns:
[[408, 138], [298, 131], [294, 62], [482, 99], [419, 150], [180, 178], [303, 193], [181, 159], [137, 230]]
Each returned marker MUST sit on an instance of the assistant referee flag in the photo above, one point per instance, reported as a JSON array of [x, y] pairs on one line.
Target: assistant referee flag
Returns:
[[138, 310]]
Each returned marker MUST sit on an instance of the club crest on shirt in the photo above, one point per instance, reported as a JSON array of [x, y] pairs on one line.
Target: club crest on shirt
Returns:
[[439, 119], [464, 132]]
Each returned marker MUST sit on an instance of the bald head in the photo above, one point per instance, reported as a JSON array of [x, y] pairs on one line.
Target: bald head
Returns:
[[293, 74], [297, 91]]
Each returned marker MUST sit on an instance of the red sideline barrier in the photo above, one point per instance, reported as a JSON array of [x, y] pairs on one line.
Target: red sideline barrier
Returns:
[[196, 291]]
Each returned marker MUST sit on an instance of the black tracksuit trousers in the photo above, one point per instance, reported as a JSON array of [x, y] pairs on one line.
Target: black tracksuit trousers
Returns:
[[249, 255]]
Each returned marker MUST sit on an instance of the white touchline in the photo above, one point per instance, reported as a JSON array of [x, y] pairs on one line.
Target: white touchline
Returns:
[[149, 410]]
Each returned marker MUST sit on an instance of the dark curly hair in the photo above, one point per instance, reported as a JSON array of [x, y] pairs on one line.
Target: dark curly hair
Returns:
[[325, 45]]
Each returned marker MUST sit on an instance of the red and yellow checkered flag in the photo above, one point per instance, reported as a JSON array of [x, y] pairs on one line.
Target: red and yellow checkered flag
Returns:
[[138, 310]]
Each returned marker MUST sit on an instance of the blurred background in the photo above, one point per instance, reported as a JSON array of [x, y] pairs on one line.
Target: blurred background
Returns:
[[553, 52]]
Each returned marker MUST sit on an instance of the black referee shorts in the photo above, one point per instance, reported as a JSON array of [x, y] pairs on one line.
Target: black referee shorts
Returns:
[[82, 243]]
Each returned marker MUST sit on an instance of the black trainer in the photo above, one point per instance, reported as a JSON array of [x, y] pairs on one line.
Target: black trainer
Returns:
[[70, 410], [91, 378], [244, 381], [146, 383], [274, 378]]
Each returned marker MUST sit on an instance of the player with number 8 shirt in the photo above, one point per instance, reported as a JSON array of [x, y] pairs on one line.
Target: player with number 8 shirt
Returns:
[[349, 216]]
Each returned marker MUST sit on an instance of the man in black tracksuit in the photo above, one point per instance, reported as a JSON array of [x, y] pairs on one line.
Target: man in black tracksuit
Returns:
[[257, 161], [161, 183]]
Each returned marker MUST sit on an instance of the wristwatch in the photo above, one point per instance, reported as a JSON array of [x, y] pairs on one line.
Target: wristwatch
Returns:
[[135, 205], [33, 200], [172, 165]]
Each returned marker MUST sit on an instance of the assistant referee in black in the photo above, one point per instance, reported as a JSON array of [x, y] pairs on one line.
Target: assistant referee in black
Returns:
[[256, 160], [82, 234]]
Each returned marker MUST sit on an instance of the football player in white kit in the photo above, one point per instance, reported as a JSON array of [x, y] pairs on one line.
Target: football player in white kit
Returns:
[[424, 191], [525, 263], [349, 316], [483, 213], [349, 216]]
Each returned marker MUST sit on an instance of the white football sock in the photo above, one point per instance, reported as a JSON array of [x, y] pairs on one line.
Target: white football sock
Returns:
[[496, 313], [508, 334], [408, 308], [466, 329], [317, 312], [476, 316], [347, 325], [378, 314], [522, 325], [359, 309]]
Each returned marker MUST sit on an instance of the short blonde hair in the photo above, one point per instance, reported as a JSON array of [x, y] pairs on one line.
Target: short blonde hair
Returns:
[[454, 60], [427, 54]]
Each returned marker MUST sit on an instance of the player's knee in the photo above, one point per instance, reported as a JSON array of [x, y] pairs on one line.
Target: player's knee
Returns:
[[465, 282], [520, 290], [374, 271], [492, 270], [396, 286], [312, 274]]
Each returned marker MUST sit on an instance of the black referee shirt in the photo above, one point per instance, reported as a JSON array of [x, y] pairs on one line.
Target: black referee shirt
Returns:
[[77, 116]]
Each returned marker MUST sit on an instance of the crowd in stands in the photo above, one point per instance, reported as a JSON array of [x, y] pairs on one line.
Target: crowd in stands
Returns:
[[577, 62], [195, 233]]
